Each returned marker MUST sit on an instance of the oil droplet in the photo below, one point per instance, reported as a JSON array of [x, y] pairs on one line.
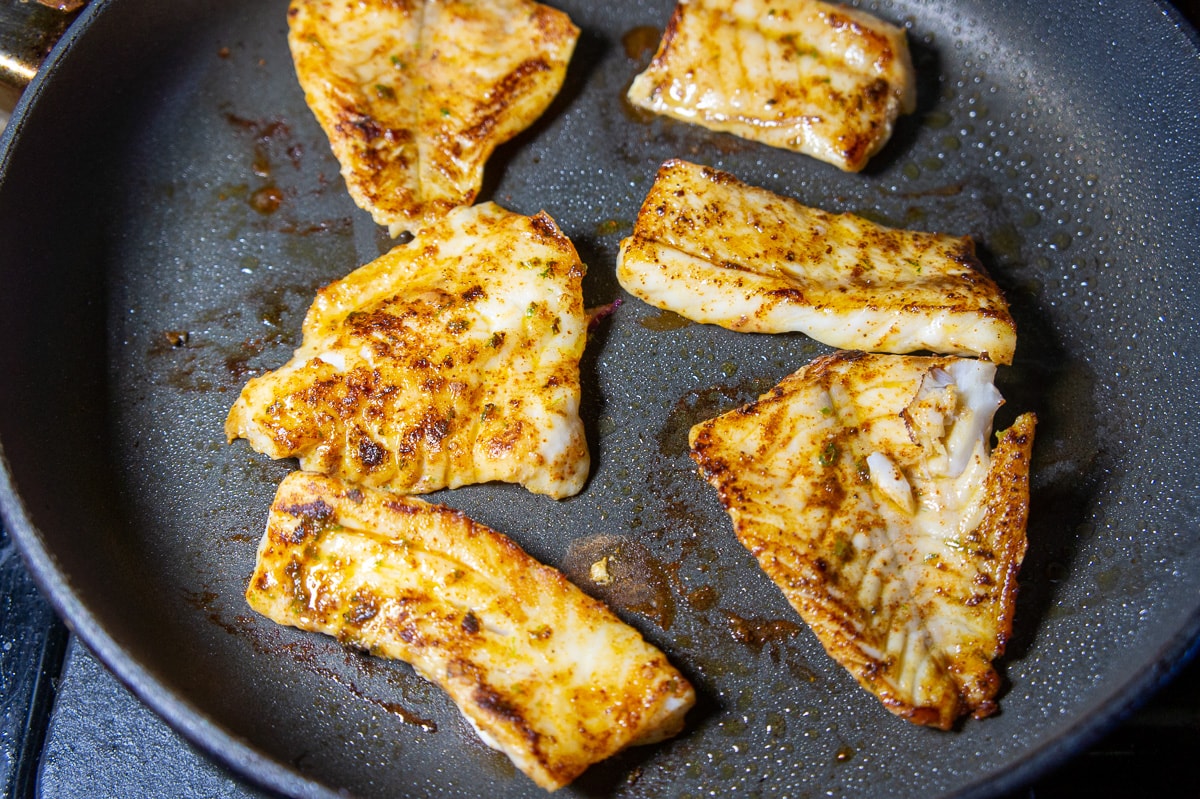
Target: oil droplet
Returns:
[[640, 41], [702, 598], [757, 632], [261, 166], [1005, 241], [665, 320], [844, 754], [932, 164], [1030, 219], [911, 171], [610, 226], [950, 143], [266, 200], [733, 727], [876, 216], [937, 119], [1060, 241]]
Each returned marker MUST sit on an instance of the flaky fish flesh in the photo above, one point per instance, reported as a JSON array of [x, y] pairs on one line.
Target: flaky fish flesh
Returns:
[[716, 250], [544, 673], [865, 487], [452, 359], [809, 76], [416, 95]]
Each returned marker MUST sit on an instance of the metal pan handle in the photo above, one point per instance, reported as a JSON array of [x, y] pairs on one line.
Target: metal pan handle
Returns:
[[27, 32]]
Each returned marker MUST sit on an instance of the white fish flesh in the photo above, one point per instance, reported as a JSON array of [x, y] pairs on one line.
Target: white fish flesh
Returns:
[[866, 488], [450, 360], [543, 672], [416, 95], [715, 250], [814, 77]]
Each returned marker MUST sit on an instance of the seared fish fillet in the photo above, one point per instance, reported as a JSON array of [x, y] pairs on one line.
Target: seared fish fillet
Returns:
[[715, 250], [546, 674], [415, 95], [864, 486], [452, 359], [813, 77]]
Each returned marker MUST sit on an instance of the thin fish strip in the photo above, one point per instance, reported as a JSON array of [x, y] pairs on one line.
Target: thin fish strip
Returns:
[[718, 251], [543, 672]]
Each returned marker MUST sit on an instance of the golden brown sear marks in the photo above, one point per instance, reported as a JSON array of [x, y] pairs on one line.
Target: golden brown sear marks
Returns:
[[864, 486], [415, 95], [716, 250], [450, 360], [805, 75], [544, 673]]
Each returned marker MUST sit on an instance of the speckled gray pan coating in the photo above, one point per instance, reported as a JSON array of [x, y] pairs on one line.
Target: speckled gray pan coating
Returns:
[[146, 276]]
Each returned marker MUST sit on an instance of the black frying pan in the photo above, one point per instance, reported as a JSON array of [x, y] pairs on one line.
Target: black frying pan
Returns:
[[148, 271]]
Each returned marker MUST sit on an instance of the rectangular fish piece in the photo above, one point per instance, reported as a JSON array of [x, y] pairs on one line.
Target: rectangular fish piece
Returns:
[[718, 251], [544, 673], [809, 76]]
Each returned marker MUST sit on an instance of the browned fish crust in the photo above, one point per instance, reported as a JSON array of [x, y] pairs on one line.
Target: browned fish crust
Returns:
[[915, 610], [547, 674]]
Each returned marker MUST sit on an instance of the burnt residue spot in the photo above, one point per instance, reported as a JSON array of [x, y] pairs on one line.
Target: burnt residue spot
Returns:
[[317, 510], [294, 571], [703, 598], [364, 606], [470, 623], [267, 199], [702, 404], [204, 601], [405, 715], [340, 225], [635, 579], [269, 136], [237, 364], [176, 338], [755, 633], [370, 454], [306, 660]]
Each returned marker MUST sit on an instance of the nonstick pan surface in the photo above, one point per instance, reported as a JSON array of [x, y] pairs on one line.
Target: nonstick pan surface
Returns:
[[168, 208]]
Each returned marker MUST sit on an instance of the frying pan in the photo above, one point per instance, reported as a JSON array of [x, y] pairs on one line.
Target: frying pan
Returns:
[[168, 208]]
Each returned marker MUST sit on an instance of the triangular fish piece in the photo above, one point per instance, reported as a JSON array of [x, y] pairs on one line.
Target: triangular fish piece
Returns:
[[716, 250], [814, 77], [452, 359], [864, 486], [543, 672], [415, 96]]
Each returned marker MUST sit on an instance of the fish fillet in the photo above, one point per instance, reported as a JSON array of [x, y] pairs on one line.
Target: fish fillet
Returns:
[[813, 77], [864, 486], [546, 674], [450, 360], [715, 250], [415, 95]]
